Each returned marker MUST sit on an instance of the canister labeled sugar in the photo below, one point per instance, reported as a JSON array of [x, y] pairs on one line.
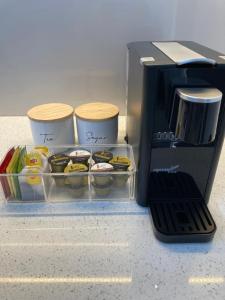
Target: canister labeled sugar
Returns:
[[97, 123]]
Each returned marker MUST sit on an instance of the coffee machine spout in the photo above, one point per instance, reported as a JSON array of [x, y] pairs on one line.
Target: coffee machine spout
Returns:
[[198, 114]]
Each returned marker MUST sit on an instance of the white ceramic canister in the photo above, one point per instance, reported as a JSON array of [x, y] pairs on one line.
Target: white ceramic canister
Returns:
[[52, 124], [97, 123]]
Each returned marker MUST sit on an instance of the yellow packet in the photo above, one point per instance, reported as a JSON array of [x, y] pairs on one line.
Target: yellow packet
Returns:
[[33, 159], [43, 150], [32, 175]]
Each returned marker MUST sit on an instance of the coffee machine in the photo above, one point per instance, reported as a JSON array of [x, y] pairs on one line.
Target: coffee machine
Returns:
[[175, 123]]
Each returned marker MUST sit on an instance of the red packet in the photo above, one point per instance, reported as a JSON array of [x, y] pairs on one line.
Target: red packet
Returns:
[[3, 166]]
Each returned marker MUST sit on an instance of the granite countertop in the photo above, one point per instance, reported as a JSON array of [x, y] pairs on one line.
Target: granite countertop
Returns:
[[104, 251]]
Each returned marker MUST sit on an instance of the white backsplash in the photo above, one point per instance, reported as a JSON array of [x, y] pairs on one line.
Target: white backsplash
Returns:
[[72, 51]]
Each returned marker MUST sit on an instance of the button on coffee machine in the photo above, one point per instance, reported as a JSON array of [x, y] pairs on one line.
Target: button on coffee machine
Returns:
[[176, 122]]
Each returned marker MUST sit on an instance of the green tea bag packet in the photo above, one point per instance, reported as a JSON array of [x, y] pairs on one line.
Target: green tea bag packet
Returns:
[[12, 169], [21, 160], [16, 166], [19, 167]]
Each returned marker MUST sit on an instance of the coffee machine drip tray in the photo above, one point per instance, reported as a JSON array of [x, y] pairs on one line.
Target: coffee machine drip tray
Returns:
[[178, 212]]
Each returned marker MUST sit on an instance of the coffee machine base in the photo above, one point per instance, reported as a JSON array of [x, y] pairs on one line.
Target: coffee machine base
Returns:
[[183, 221]]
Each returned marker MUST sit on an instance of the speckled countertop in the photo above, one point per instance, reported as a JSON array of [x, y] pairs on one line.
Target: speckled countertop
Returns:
[[104, 251]]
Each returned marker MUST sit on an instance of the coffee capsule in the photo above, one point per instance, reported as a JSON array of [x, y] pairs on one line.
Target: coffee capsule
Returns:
[[120, 163], [80, 156], [103, 190], [59, 180], [102, 179], [120, 180], [102, 156], [58, 162], [74, 178], [77, 191]]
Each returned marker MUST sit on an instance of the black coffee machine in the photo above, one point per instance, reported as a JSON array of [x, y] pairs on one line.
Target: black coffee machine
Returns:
[[175, 122]]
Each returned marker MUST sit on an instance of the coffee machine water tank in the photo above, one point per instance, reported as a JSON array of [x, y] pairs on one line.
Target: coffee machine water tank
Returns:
[[197, 114]]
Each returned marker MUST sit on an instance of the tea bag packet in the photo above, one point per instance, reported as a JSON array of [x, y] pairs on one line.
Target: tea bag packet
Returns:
[[13, 179], [31, 184], [44, 152], [21, 160], [3, 179], [33, 159], [31, 180]]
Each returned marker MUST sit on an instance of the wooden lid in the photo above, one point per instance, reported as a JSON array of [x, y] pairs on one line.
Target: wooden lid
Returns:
[[96, 111], [50, 112]]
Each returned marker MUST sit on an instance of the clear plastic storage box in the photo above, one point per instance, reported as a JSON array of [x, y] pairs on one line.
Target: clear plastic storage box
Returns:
[[51, 187]]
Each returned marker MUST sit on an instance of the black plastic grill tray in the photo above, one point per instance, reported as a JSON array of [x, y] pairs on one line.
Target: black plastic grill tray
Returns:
[[182, 221], [179, 214]]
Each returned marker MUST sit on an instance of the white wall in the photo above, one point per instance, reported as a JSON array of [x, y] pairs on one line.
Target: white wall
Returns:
[[202, 21], [72, 50]]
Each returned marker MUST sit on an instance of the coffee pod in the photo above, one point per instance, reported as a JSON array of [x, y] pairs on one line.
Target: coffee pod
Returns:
[[58, 162], [80, 156], [77, 191], [120, 163], [100, 178], [103, 190], [102, 156], [73, 177], [59, 180]]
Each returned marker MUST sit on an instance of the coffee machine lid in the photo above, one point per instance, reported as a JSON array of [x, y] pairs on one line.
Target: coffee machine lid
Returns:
[[182, 55], [200, 95]]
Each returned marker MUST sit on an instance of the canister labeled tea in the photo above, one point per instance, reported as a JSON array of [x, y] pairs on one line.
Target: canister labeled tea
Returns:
[[97, 123], [52, 124]]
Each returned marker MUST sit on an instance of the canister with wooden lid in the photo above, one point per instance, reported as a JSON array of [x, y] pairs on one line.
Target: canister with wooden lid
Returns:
[[97, 123], [52, 124]]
